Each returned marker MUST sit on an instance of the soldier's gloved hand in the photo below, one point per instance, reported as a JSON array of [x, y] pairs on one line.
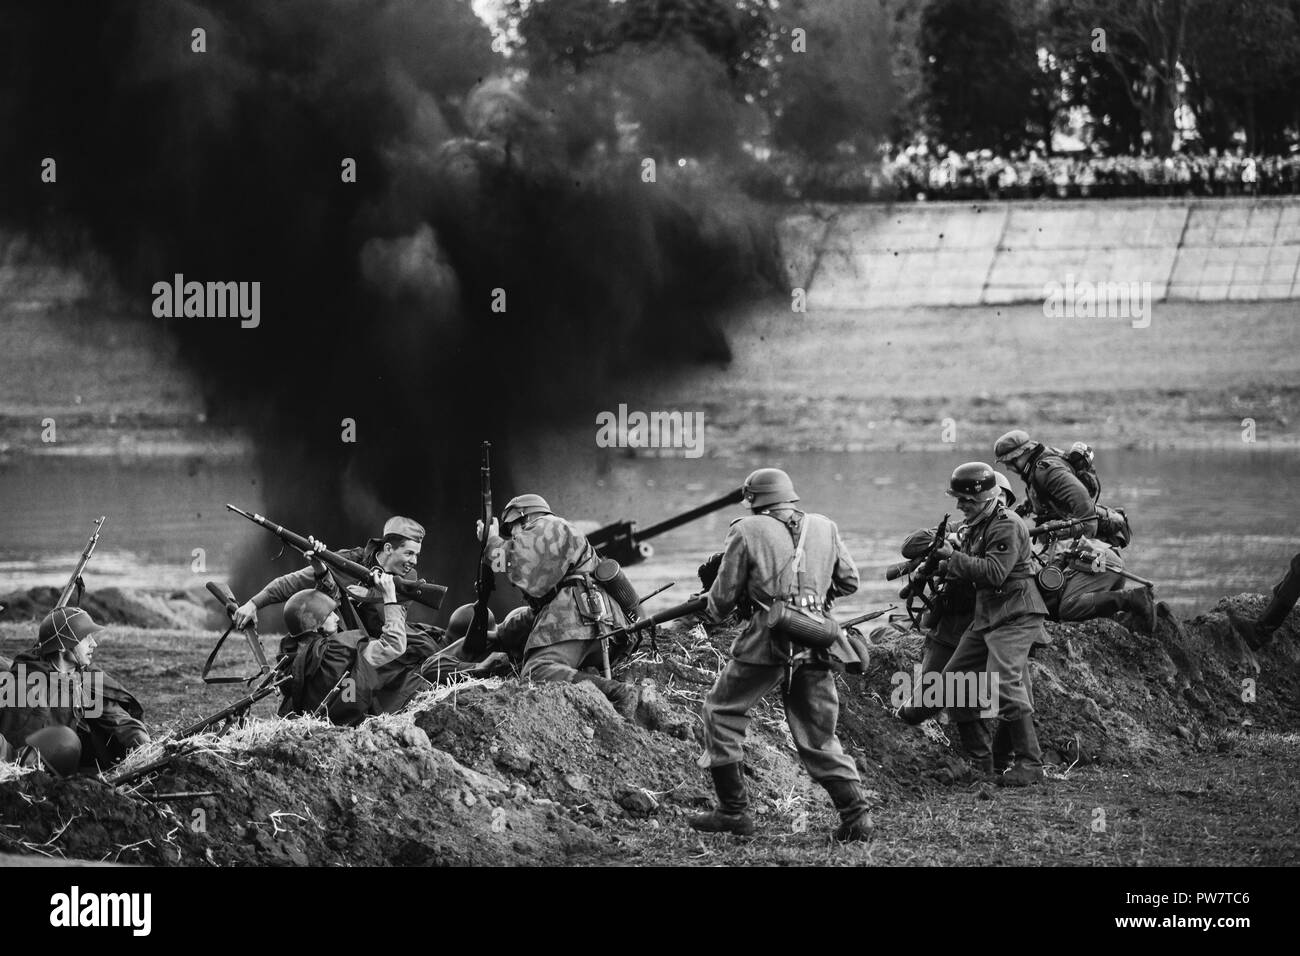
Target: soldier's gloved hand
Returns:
[[494, 529], [708, 571], [1024, 509], [245, 615]]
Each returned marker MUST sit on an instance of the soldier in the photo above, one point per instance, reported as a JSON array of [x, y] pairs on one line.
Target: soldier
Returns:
[[1055, 493], [776, 553], [1259, 632], [104, 715], [1008, 621], [394, 553], [551, 562], [348, 673]]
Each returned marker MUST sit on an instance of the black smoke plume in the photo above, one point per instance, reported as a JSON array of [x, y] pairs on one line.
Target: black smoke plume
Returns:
[[376, 300]]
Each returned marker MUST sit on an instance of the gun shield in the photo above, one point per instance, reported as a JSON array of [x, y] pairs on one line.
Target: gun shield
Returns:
[[801, 627], [609, 575]]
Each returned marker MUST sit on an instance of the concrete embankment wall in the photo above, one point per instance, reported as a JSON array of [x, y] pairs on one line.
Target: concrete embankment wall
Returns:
[[989, 253]]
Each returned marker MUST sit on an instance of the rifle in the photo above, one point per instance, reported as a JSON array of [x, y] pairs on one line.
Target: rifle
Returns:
[[227, 599], [1093, 561], [625, 544], [917, 585], [421, 591], [476, 636], [1053, 530], [869, 616], [75, 581], [228, 715]]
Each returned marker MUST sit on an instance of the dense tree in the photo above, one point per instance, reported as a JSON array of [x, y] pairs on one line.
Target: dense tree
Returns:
[[980, 73]]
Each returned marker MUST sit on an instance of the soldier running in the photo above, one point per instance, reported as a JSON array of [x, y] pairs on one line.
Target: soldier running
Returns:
[[760, 562], [1009, 615]]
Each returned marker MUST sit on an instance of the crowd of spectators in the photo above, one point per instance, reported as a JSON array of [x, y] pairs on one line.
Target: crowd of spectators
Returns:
[[920, 173]]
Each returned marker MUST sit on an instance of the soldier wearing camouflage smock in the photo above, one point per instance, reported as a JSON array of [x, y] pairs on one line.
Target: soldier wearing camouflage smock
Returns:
[[552, 563], [1055, 493], [1008, 621], [759, 562]]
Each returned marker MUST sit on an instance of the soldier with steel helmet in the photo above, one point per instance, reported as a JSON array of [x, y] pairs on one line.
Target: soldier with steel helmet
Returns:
[[348, 674], [104, 719], [1054, 492], [779, 554], [555, 567], [994, 556]]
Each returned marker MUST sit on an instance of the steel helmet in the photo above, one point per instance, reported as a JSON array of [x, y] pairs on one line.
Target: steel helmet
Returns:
[[521, 506], [1005, 484], [462, 617], [64, 628], [1011, 444], [307, 611], [973, 480], [59, 748], [768, 486]]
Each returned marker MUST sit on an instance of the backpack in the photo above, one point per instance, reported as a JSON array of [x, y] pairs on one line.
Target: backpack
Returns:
[[1079, 458]]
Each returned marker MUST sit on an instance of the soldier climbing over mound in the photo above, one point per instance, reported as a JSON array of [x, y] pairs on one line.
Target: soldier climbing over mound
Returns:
[[554, 565], [1259, 632]]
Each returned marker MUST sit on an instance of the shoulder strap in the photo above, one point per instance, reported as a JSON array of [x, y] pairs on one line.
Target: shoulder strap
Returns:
[[797, 558]]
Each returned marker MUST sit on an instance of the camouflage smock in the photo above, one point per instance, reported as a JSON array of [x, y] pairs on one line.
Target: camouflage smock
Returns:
[[540, 553]]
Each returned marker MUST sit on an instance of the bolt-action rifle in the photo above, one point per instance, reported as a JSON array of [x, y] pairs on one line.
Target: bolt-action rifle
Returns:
[[75, 583]]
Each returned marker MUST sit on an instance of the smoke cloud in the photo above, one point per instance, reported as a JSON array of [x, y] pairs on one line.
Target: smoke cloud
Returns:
[[472, 182]]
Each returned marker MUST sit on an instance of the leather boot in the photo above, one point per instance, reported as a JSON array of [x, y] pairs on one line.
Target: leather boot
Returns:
[[975, 741], [1003, 755], [1028, 768], [624, 697], [918, 715], [1259, 632], [855, 818], [1141, 603], [732, 813], [1251, 631]]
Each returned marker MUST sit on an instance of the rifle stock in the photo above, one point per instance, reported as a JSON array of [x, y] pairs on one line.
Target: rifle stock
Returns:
[[66, 594], [421, 591]]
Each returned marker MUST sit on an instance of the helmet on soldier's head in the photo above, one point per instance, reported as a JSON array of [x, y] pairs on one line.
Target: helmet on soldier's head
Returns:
[[307, 611], [768, 486], [521, 506], [1005, 484], [1011, 444], [973, 480], [64, 628], [462, 617]]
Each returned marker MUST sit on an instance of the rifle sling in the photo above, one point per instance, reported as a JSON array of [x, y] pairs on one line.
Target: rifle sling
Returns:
[[216, 649]]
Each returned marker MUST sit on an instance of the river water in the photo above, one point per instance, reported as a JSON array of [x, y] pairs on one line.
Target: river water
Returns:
[[1206, 523]]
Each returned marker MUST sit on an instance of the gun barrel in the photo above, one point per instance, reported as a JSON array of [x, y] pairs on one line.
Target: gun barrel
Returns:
[[869, 616], [730, 498]]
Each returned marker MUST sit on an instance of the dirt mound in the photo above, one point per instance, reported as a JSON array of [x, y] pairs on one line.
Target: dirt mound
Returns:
[[502, 773], [135, 608]]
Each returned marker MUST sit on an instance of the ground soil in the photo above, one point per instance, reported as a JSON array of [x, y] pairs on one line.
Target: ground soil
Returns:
[[1169, 749]]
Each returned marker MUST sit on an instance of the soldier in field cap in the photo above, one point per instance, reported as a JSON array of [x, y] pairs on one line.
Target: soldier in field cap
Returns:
[[395, 552]]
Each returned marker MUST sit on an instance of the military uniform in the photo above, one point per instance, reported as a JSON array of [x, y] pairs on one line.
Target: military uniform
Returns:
[[422, 640], [105, 739], [756, 563], [381, 678], [551, 562], [1055, 493], [1008, 621]]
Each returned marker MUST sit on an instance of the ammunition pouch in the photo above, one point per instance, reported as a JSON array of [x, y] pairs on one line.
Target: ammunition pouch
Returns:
[[802, 625], [609, 575]]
